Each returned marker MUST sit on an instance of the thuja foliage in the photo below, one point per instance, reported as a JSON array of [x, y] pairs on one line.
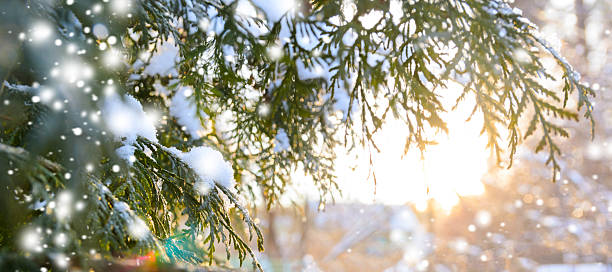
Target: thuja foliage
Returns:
[[275, 89]]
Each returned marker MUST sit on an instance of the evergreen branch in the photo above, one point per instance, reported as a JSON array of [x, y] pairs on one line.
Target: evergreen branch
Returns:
[[22, 154]]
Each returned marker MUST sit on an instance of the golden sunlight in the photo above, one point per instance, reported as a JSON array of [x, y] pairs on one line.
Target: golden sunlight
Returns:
[[450, 169]]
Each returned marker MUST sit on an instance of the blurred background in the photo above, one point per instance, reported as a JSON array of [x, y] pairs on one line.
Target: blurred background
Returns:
[[457, 210]]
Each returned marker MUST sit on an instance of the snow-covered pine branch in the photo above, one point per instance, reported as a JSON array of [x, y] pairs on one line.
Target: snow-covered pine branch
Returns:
[[170, 116]]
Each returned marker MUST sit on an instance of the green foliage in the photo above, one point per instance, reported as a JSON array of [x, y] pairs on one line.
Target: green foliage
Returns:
[[397, 68]]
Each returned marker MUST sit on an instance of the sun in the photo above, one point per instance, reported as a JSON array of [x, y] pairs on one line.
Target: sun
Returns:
[[451, 169]]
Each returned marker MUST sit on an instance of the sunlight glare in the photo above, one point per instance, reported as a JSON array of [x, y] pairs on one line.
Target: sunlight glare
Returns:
[[451, 169]]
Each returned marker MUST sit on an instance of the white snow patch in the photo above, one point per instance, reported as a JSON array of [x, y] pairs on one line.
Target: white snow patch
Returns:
[[174, 151], [126, 119], [164, 60], [349, 37], [371, 19], [209, 165], [126, 152], [185, 112], [121, 206]]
